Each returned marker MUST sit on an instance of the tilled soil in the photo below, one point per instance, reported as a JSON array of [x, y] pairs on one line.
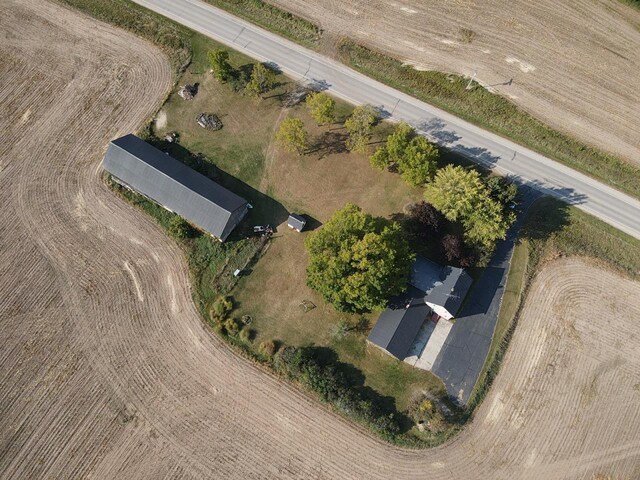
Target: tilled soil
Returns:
[[106, 370], [574, 65]]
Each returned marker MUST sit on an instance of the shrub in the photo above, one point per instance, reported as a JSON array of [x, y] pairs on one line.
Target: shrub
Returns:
[[268, 348], [231, 327], [179, 228], [427, 412], [222, 306], [247, 334]]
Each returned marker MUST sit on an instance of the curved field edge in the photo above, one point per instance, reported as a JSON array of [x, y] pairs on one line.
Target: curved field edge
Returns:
[[559, 236], [552, 229]]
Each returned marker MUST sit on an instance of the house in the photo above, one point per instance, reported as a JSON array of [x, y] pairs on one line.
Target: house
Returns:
[[432, 289], [139, 166], [444, 287], [297, 222]]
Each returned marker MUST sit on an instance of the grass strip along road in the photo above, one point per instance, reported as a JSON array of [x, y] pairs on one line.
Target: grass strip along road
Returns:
[[485, 148]]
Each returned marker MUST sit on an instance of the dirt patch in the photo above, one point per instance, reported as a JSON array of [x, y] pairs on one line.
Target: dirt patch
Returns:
[[573, 65], [161, 120], [98, 384]]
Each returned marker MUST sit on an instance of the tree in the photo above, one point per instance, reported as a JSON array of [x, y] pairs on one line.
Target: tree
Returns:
[[357, 262], [322, 107], [502, 190], [411, 155], [179, 228], [486, 224], [399, 140], [455, 192], [462, 196], [418, 165], [359, 126], [262, 80], [292, 135], [452, 248], [219, 60], [427, 216]]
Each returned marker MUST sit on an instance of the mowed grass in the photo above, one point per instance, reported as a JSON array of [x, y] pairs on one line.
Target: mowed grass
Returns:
[[249, 161], [494, 113]]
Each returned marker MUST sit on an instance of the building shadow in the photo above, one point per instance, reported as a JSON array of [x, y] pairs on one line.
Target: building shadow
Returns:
[[265, 211]]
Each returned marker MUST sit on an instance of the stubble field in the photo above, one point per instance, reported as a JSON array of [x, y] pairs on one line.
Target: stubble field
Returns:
[[106, 370], [572, 64]]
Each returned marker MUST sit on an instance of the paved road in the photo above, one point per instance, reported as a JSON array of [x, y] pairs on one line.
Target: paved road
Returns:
[[615, 208], [462, 357]]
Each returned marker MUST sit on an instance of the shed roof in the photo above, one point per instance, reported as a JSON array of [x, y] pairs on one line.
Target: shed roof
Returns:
[[398, 325], [442, 285], [174, 185], [296, 221]]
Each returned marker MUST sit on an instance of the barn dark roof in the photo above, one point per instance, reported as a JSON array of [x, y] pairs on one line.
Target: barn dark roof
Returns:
[[398, 325], [296, 221], [445, 286], [174, 185]]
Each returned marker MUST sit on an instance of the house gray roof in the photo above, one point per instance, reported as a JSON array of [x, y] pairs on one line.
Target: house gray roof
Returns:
[[446, 286], [174, 185], [398, 325], [296, 221]]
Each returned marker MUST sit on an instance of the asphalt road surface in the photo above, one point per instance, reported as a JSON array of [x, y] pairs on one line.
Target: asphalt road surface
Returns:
[[485, 148]]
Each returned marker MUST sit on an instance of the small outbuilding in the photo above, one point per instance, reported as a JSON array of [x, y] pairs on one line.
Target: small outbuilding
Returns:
[[296, 222]]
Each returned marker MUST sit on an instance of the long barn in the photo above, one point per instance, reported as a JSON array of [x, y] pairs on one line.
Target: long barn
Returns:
[[143, 168]]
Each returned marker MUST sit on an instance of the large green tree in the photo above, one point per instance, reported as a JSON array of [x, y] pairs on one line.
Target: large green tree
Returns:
[[462, 196], [356, 261], [411, 155], [455, 192], [292, 135], [219, 61], [322, 107], [262, 80], [359, 125]]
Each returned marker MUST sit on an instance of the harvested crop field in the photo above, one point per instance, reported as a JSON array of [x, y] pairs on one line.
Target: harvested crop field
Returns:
[[106, 370], [573, 64]]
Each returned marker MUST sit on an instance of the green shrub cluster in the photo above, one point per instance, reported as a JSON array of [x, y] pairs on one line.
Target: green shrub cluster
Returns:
[[327, 379]]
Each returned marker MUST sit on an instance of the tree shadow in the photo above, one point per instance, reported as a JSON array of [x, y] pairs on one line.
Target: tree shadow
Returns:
[[317, 85], [331, 142], [435, 127], [548, 216]]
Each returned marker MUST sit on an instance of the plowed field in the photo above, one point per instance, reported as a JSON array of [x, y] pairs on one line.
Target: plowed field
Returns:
[[107, 372]]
